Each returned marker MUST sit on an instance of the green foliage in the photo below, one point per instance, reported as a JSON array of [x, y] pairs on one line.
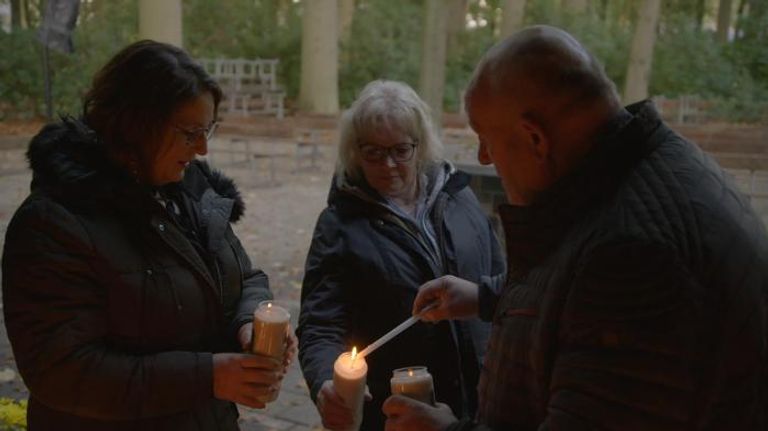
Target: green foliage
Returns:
[[13, 414], [247, 29], [103, 28], [386, 43], [21, 77]]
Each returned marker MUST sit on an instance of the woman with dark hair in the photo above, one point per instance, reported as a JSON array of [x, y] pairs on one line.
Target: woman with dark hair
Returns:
[[126, 293]]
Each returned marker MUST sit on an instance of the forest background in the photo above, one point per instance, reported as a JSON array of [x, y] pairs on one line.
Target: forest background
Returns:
[[714, 49]]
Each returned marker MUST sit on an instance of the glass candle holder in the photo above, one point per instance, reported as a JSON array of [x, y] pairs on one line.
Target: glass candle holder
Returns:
[[415, 383]]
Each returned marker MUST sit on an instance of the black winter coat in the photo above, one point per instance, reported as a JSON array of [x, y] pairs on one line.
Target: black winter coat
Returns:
[[362, 273], [637, 298], [112, 314]]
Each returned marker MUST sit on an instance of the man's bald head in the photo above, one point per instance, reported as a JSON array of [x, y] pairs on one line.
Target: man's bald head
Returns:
[[545, 70]]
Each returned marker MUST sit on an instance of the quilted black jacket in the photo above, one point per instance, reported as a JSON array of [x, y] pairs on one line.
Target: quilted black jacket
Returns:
[[636, 299]]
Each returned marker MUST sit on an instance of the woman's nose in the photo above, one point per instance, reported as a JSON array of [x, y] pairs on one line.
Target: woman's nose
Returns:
[[201, 146]]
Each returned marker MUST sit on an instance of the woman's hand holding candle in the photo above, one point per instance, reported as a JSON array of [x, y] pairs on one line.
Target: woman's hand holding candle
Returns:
[[245, 338], [333, 409], [349, 375], [245, 379]]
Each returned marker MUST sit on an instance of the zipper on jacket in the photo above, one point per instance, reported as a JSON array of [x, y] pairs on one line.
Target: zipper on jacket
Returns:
[[439, 212], [434, 263], [456, 331]]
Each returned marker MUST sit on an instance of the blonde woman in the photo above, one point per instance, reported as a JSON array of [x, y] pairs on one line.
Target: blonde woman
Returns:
[[398, 215]]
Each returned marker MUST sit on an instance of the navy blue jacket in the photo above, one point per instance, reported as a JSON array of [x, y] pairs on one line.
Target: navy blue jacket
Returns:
[[362, 273]]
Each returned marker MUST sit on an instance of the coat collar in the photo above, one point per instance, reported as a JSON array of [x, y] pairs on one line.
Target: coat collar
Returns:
[[70, 162], [532, 232]]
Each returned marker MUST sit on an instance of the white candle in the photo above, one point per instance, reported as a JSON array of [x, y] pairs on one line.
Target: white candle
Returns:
[[270, 325], [413, 382], [349, 373]]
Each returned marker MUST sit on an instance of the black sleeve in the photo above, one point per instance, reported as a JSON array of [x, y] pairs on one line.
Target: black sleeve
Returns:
[[324, 304], [255, 290], [55, 305]]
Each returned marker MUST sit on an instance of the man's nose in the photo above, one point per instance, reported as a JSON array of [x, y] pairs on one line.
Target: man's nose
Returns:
[[482, 154]]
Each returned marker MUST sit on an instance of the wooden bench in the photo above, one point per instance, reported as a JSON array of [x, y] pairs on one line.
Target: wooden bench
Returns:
[[249, 86]]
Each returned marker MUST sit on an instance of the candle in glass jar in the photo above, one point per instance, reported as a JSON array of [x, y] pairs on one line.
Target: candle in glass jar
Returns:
[[415, 383], [270, 325], [349, 375]]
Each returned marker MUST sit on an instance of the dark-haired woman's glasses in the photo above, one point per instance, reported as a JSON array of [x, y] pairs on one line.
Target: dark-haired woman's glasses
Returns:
[[400, 153], [194, 135]]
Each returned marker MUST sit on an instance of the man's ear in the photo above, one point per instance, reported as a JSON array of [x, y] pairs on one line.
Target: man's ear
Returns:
[[538, 139]]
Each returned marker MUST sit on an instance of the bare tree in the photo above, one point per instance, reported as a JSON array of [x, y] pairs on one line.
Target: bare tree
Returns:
[[512, 15], [319, 90], [723, 20], [641, 55], [433, 48]]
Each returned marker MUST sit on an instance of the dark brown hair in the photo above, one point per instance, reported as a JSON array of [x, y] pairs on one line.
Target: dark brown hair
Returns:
[[135, 94]]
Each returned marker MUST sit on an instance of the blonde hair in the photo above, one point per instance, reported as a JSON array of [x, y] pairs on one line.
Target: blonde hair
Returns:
[[386, 104]]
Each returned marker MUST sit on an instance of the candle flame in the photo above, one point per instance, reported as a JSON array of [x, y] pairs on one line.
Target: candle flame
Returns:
[[269, 305], [410, 373], [354, 356]]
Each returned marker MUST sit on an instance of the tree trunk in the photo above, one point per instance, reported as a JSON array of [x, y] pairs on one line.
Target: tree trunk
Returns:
[[723, 20], [457, 18], [739, 30], [603, 10], [512, 15], [319, 92], [160, 21], [641, 55], [755, 30], [15, 15], [433, 48], [346, 16], [26, 14], [700, 9], [575, 6]]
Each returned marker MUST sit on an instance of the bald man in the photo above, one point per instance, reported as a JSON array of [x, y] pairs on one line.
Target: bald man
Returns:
[[638, 275]]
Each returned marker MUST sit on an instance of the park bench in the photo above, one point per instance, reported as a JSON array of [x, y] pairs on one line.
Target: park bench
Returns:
[[249, 86]]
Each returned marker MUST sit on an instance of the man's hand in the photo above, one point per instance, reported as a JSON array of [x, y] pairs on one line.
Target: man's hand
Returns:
[[452, 297], [405, 414], [245, 379], [333, 411]]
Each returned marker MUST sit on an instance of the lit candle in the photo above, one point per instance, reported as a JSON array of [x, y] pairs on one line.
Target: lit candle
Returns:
[[413, 382], [270, 325], [349, 374]]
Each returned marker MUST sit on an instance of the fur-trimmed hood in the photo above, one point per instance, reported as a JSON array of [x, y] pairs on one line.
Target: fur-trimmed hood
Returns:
[[70, 161]]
